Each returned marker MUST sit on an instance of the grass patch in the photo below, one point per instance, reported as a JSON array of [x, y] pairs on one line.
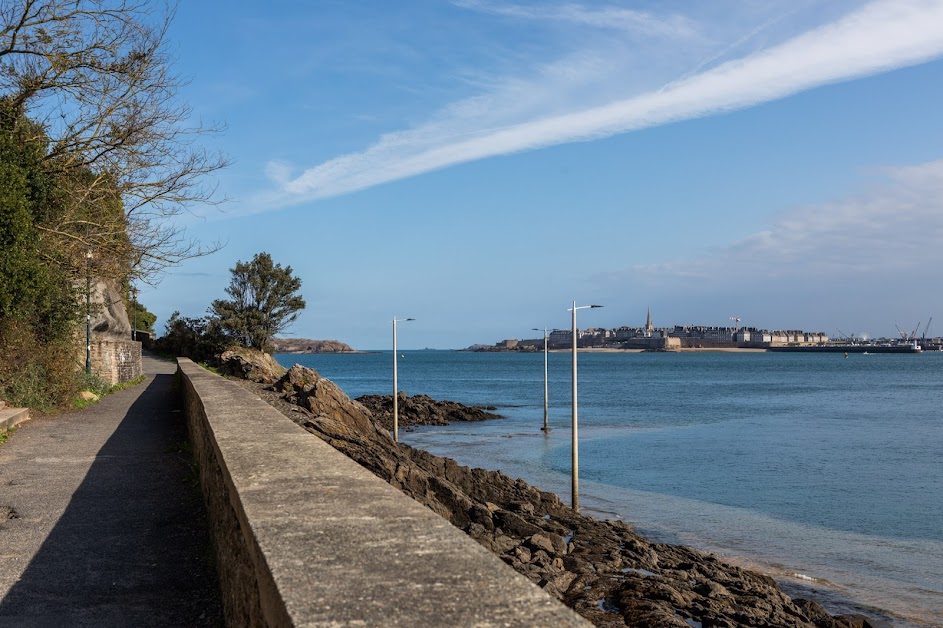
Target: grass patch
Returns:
[[6, 434], [94, 384], [81, 404], [209, 367], [128, 384]]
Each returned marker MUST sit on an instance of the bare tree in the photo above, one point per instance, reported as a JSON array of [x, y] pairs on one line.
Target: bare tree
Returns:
[[96, 77]]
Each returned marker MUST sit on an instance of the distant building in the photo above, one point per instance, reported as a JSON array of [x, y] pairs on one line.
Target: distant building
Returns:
[[667, 338]]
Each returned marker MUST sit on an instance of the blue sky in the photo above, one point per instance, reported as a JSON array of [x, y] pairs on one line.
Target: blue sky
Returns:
[[479, 165]]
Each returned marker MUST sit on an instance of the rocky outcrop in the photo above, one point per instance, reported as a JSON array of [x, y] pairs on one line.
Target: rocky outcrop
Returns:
[[306, 345], [602, 569], [422, 410], [250, 364], [109, 317], [339, 417]]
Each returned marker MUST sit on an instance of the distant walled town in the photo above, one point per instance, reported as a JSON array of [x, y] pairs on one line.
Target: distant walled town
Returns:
[[681, 337]]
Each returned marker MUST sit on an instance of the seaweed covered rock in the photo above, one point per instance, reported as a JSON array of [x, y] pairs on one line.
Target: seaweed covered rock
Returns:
[[423, 410]]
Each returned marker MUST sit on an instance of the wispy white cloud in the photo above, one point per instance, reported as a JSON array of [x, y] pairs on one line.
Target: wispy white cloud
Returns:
[[605, 17], [526, 114], [894, 228]]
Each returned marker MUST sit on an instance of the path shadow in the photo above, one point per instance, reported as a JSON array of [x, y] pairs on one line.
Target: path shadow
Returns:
[[132, 548]]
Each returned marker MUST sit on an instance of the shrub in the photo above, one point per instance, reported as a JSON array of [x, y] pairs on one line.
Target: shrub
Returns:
[[200, 339], [35, 373], [93, 383]]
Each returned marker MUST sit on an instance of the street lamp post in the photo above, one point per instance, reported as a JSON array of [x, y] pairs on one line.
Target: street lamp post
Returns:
[[546, 427], [576, 447], [395, 387], [134, 304], [88, 314]]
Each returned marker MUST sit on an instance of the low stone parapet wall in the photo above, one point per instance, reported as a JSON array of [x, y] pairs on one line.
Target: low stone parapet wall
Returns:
[[305, 536]]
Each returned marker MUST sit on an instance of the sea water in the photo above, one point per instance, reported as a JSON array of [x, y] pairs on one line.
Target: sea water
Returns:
[[825, 471]]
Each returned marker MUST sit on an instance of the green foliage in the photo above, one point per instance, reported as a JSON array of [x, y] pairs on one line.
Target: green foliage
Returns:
[[209, 367], [139, 315], [38, 306], [6, 434], [93, 383], [35, 372], [34, 290], [128, 384], [264, 301], [29, 388], [200, 339], [145, 319], [101, 388]]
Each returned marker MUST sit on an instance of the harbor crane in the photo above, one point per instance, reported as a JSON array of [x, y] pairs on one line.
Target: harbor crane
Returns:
[[908, 337], [926, 329]]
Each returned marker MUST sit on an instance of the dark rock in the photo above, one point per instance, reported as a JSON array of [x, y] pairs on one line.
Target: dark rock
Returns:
[[422, 410], [515, 524], [541, 542]]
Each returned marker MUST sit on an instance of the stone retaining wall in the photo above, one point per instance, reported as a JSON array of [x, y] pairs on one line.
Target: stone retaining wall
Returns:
[[114, 359], [305, 536]]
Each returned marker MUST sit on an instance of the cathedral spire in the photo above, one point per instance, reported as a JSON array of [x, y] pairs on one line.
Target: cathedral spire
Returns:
[[648, 320]]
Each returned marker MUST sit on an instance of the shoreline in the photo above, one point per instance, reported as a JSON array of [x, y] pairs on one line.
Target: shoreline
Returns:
[[796, 581], [602, 569]]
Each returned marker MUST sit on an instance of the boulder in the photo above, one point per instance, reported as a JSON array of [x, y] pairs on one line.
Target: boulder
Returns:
[[335, 415], [251, 364]]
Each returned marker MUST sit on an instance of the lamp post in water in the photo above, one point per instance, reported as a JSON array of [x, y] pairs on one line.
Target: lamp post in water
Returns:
[[395, 391], [546, 427], [576, 442]]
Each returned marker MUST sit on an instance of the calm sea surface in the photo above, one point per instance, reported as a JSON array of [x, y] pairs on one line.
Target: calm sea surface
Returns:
[[823, 470]]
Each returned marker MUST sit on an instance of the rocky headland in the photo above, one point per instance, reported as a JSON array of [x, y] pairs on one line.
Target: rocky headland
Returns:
[[602, 569], [422, 410], [306, 345]]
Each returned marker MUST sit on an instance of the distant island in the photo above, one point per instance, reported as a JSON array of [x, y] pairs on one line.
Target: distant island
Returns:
[[306, 345]]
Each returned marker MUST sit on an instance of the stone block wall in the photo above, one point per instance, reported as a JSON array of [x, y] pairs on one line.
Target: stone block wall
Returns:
[[115, 360]]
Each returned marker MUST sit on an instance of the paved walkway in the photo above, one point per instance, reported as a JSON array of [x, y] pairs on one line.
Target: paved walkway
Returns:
[[101, 521]]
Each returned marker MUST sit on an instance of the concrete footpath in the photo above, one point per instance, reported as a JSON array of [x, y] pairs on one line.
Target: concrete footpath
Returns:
[[101, 521]]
